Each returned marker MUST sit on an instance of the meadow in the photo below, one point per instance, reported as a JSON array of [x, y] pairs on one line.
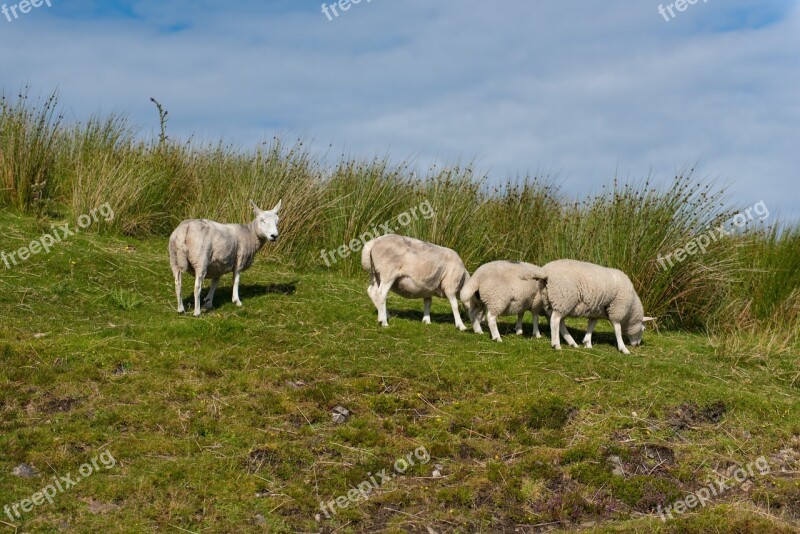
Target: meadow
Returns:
[[224, 422]]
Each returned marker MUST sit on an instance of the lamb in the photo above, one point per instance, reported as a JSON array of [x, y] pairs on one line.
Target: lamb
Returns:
[[500, 288], [413, 269], [207, 248], [572, 288]]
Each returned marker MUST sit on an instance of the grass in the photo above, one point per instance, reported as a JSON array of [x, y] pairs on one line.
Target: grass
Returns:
[[745, 289], [223, 423]]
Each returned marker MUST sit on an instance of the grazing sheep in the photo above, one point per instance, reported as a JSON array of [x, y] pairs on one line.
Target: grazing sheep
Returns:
[[572, 288], [500, 288], [413, 269], [207, 248]]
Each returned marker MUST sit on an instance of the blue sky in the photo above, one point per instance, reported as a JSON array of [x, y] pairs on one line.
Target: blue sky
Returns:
[[579, 89]]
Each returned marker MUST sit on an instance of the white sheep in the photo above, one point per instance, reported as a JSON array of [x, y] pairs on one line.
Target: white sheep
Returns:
[[572, 288], [413, 269], [502, 288], [207, 248]]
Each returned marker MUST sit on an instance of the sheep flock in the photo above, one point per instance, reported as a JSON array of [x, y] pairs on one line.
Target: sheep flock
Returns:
[[416, 269]]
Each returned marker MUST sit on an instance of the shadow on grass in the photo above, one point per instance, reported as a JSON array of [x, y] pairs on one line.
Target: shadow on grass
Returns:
[[224, 294]]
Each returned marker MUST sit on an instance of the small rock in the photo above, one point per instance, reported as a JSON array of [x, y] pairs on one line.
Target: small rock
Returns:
[[317, 517], [747, 434], [25, 471], [747, 486], [97, 507], [617, 468], [295, 383], [39, 335], [260, 520], [340, 414], [437, 471]]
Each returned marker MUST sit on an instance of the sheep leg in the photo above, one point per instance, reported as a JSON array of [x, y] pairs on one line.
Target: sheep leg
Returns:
[[492, 320], [208, 302], [587, 339], [519, 323], [536, 332], [381, 294], [618, 332], [178, 286], [236, 288], [456, 313], [426, 316], [198, 286], [567, 336], [555, 323], [475, 318]]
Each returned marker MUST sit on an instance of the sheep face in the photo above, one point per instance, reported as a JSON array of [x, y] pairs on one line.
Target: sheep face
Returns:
[[635, 334], [267, 222], [636, 330]]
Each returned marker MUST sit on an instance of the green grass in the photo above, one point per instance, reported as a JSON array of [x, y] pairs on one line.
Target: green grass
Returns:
[[223, 423], [745, 289]]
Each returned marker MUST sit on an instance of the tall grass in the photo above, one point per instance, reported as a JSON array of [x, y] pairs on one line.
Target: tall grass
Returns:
[[746, 282]]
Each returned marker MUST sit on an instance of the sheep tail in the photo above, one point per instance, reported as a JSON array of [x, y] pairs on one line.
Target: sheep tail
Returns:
[[534, 273], [367, 262], [468, 290]]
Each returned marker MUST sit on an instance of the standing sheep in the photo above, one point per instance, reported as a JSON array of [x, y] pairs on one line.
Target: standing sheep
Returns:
[[207, 248], [413, 269], [502, 288], [574, 288]]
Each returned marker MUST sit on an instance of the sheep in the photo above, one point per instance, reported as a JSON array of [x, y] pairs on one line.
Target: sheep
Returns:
[[498, 287], [572, 288], [207, 248], [413, 269]]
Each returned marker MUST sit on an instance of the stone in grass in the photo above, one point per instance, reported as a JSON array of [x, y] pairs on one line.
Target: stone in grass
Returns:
[[437, 470], [340, 414], [25, 471], [617, 468], [98, 507]]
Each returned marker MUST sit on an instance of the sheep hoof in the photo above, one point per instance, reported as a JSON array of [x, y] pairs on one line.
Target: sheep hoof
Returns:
[[181, 310], [573, 345], [196, 313], [587, 345], [462, 328], [623, 350], [478, 330], [519, 332], [207, 304], [499, 340], [538, 335], [557, 347], [238, 303], [426, 320]]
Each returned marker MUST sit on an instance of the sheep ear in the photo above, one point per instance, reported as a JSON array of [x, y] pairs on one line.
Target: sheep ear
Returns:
[[256, 210], [277, 207], [645, 319]]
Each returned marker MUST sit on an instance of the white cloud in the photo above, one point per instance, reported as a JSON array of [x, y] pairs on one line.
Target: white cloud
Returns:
[[581, 88]]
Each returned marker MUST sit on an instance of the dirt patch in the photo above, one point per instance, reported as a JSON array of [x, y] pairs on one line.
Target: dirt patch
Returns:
[[690, 415]]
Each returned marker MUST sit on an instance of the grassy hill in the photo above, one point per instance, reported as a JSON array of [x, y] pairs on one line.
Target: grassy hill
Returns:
[[224, 423]]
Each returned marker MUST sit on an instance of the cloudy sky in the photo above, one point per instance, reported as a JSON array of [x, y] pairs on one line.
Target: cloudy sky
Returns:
[[577, 88]]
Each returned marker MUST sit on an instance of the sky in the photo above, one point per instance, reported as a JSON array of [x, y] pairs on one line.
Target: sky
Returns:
[[577, 89]]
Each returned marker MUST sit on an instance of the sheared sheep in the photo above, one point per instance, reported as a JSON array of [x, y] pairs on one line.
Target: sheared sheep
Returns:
[[413, 269], [572, 288], [500, 288], [207, 248]]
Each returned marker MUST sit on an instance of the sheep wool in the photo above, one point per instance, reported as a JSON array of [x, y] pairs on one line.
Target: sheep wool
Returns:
[[413, 269]]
